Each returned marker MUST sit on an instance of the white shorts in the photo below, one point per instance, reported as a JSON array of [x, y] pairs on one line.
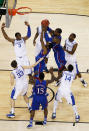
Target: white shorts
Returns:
[[63, 93], [23, 61], [19, 90]]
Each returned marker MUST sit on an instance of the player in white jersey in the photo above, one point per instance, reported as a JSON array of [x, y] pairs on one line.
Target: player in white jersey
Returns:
[[19, 80], [36, 42], [70, 55], [20, 47], [64, 91]]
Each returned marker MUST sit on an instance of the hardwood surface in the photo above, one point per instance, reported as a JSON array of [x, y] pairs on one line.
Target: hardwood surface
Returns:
[[69, 24]]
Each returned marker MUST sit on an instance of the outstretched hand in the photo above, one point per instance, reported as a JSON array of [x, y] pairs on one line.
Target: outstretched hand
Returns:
[[26, 23], [51, 70], [3, 25]]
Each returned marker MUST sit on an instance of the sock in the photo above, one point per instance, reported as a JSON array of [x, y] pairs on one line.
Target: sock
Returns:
[[28, 105], [12, 110], [31, 121], [55, 106], [45, 118], [75, 110]]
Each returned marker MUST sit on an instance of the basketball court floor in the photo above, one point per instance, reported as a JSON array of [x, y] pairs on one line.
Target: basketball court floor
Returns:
[[60, 14]]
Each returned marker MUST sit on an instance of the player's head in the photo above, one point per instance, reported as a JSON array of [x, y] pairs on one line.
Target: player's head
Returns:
[[56, 39], [18, 36], [14, 64], [45, 23], [72, 37], [57, 32], [41, 76], [70, 68]]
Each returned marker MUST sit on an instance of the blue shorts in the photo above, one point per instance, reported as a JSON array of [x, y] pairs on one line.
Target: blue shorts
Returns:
[[39, 100]]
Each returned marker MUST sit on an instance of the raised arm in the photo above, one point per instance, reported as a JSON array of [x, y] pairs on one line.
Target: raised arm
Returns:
[[27, 67], [5, 34], [28, 31], [42, 44], [36, 35]]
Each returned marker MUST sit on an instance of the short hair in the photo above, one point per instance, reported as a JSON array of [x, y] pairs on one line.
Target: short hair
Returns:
[[70, 68], [41, 76], [50, 45], [17, 33], [74, 35], [59, 30], [14, 64]]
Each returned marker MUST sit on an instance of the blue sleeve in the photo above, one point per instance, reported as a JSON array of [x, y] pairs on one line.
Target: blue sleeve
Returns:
[[49, 29], [29, 32], [47, 38]]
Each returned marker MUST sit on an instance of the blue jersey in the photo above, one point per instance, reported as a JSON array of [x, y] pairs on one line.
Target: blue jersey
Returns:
[[40, 87]]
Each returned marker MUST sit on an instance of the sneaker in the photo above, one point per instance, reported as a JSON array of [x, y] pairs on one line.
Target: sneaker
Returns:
[[44, 122], [53, 115], [84, 83], [29, 126], [58, 83], [11, 115], [46, 70], [77, 118], [30, 109]]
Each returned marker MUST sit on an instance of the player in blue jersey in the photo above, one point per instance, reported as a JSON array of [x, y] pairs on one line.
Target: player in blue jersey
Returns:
[[43, 53], [21, 85], [40, 97], [59, 53]]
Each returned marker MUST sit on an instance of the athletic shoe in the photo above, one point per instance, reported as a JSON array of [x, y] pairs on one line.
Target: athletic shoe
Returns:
[[46, 70], [77, 118], [44, 122], [58, 83], [53, 115], [11, 115], [29, 126], [84, 83]]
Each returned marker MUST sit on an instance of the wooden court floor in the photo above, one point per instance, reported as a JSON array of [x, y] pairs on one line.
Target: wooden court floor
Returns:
[[69, 24], [64, 111]]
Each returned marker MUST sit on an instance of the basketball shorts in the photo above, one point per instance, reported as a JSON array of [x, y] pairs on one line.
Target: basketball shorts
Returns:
[[19, 90], [63, 93], [39, 100], [23, 61]]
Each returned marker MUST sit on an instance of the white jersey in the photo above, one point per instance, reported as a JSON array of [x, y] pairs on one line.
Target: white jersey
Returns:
[[20, 48], [38, 43], [69, 46], [66, 80], [19, 76]]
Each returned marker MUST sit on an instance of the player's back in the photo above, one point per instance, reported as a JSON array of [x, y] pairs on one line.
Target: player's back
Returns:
[[66, 80], [19, 75], [20, 48], [40, 88]]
